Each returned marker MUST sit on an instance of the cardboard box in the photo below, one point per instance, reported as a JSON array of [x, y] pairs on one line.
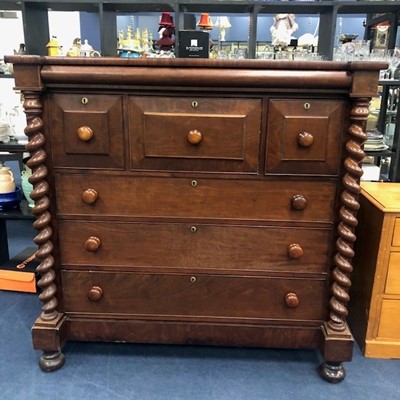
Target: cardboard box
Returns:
[[194, 44], [19, 273]]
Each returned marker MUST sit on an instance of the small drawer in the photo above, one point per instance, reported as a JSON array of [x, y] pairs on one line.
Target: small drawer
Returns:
[[304, 201], [389, 323], [87, 131], [194, 296], [393, 276], [396, 233], [194, 246], [304, 136], [195, 134]]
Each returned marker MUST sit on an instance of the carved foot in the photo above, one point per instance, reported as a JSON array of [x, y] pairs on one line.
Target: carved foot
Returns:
[[51, 361], [332, 372]]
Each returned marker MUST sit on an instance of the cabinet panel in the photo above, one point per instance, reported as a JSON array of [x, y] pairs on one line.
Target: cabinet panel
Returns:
[[389, 324], [307, 131], [87, 130], [196, 198], [393, 276], [198, 297], [197, 246], [396, 233], [195, 133]]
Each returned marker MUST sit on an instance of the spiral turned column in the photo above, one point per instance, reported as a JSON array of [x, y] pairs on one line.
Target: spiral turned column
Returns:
[[348, 220], [43, 239]]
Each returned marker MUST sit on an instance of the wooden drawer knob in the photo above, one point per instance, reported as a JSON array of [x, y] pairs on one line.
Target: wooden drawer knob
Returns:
[[295, 251], [84, 133], [291, 300], [92, 244], [194, 137], [89, 196], [305, 139], [299, 202], [95, 293]]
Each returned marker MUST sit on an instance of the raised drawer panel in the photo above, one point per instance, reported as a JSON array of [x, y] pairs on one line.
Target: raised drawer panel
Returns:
[[396, 233], [195, 246], [389, 324], [195, 134], [393, 277], [197, 198], [195, 297], [87, 131], [304, 136]]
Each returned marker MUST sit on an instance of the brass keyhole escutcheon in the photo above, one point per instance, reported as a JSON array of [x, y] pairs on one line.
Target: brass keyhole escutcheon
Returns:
[[193, 229], [307, 106], [195, 104], [85, 100], [193, 279], [193, 183]]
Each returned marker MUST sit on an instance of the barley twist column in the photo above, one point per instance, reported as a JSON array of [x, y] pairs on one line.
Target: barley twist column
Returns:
[[348, 221], [43, 239]]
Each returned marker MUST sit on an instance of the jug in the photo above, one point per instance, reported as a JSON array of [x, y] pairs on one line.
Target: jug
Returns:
[[4, 126], [27, 187], [17, 121], [7, 184]]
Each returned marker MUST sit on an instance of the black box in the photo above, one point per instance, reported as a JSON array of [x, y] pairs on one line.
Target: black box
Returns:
[[194, 44]]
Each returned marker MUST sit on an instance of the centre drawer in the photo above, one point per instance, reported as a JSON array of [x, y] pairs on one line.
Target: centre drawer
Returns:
[[195, 133], [160, 197], [194, 246], [194, 297]]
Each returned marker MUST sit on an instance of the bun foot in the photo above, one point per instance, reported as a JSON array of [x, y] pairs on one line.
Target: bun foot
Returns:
[[51, 361], [332, 372]]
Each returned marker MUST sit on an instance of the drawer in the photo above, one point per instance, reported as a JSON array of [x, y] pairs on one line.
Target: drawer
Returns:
[[194, 297], [195, 198], [87, 131], [396, 233], [389, 324], [197, 246], [393, 276], [304, 136], [195, 134]]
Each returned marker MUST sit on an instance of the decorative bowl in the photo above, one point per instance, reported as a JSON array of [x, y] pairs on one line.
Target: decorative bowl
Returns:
[[10, 200]]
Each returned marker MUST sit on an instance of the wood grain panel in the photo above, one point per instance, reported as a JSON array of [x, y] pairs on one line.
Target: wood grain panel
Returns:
[[193, 297], [209, 198], [199, 246]]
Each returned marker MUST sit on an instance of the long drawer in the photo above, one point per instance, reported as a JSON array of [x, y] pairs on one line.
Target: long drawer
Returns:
[[194, 297], [198, 246], [195, 198]]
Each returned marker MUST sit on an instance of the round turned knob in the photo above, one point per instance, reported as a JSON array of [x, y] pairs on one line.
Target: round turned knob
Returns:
[[295, 251], [194, 137], [299, 202], [291, 300], [92, 244], [305, 139], [89, 196], [84, 133], [95, 293]]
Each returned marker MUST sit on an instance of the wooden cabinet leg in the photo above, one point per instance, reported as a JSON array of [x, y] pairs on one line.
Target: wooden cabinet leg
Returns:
[[332, 372], [51, 361]]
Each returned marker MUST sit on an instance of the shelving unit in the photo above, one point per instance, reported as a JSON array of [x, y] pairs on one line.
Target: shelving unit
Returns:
[[22, 212], [36, 25], [387, 116]]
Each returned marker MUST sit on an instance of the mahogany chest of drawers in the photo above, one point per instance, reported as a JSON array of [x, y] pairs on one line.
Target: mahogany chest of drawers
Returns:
[[375, 293], [195, 201]]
